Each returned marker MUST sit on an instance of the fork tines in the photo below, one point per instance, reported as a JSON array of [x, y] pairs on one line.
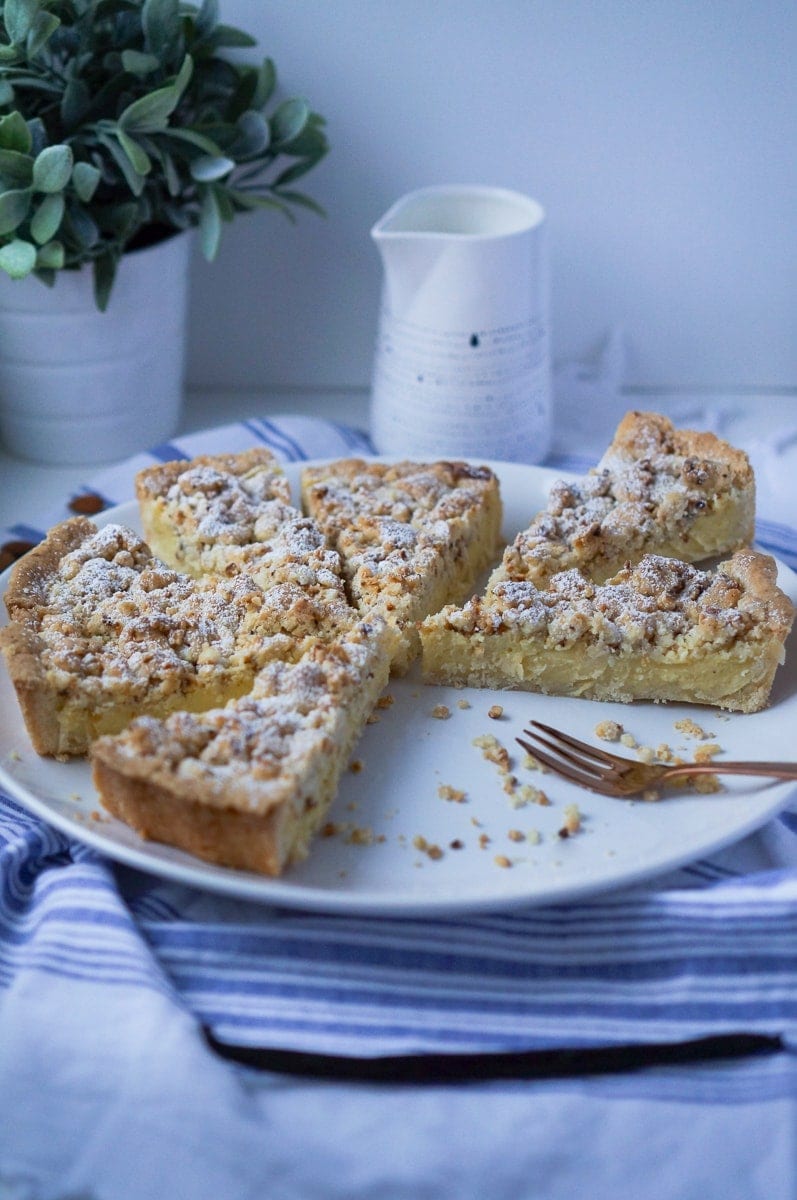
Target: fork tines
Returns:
[[559, 757]]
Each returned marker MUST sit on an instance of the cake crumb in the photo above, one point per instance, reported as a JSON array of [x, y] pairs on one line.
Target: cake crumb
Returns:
[[501, 860], [361, 835], [628, 739], [706, 752], [646, 754], [355, 766], [463, 703], [373, 719], [691, 729], [609, 731], [534, 795], [663, 753], [651, 795], [441, 712], [493, 751], [457, 844], [495, 712], [14, 756], [572, 823], [484, 840], [534, 836], [385, 701], [516, 835], [330, 829], [430, 849], [706, 784], [447, 792]]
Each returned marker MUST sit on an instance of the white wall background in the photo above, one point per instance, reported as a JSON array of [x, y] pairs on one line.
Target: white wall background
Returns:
[[658, 134]]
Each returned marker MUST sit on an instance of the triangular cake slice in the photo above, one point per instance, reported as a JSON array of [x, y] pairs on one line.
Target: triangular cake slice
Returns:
[[412, 536], [247, 786], [225, 513], [657, 490], [101, 630], [661, 630]]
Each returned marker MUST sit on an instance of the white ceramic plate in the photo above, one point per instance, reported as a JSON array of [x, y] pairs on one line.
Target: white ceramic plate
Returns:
[[409, 754]]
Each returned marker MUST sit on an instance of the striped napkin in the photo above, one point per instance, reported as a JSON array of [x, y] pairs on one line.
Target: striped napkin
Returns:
[[125, 1001]]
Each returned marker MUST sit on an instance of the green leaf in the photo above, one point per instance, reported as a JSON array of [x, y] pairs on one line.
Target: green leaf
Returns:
[[38, 137], [288, 121], [14, 206], [52, 169], [74, 103], [104, 276], [9, 54], [15, 168], [85, 178], [207, 18], [253, 136], [17, 258], [193, 138], [139, 159], [266, 82], [291, 174], [19, 16], [50, 257], [121, 220], [132, 178], [14, 133], [150, 114], [160, 20], [82, 227], [208, 168], [43, 27], [139, 64], [46, 220], [304, 201], [228, 35], [209, 224]]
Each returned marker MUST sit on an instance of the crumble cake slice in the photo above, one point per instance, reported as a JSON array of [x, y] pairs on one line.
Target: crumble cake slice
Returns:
[[661, 630], [247, 786], [412, 536], [225, 513], [100, 630], [657, 490]]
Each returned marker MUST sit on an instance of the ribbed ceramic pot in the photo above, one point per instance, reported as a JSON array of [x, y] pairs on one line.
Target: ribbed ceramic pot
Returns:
[[81, 386]]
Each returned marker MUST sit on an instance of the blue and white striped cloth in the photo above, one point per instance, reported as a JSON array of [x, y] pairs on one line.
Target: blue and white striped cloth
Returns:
[[108, 1089]]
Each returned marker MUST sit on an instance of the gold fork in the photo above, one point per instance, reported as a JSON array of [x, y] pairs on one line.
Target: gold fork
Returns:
[[611, 775]]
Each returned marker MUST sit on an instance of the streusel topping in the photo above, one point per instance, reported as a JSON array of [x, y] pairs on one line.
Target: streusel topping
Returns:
[[391, 522], [268, 737], [654, 603], [221, 506], [618, 507], [657, 489], [116, 617]]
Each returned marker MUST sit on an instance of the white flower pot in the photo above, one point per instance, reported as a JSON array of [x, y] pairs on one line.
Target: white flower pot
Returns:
[[81, 386]]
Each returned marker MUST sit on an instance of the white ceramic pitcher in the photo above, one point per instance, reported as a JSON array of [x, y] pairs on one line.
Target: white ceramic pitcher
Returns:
[[462, 363]]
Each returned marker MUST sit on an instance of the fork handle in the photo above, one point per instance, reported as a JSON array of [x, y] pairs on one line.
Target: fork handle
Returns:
[[775, 770]]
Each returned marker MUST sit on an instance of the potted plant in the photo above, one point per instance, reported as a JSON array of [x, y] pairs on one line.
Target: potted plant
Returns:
[[123, 123]]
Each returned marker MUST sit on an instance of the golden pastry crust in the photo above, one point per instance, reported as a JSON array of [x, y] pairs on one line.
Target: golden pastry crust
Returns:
[[226, 513], [657, 490], [247, 785], [661, 630], [412, 536]]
